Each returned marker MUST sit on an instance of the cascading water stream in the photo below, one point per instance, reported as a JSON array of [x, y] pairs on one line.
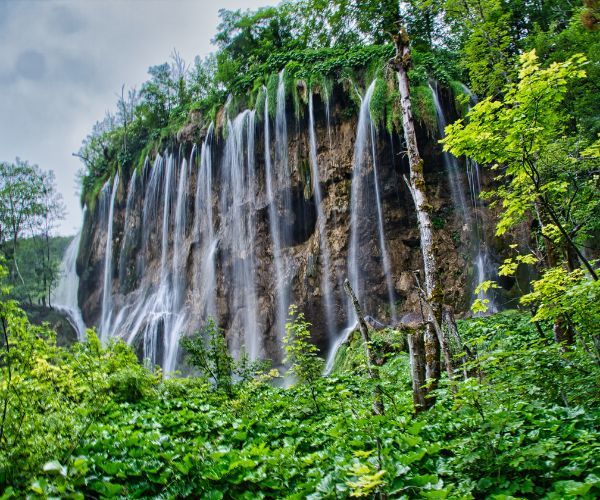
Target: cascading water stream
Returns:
[[206, 281], [237, 206], [274, 229], [175, 321], [64, 297], [364, 150], [451, 163], [324, 247], [385, 257], [107, 282], [469, 212], [156, 312], [127, 234]]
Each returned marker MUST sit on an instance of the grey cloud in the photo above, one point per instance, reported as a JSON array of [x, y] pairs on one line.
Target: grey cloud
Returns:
[[31, 64], [65, 20]]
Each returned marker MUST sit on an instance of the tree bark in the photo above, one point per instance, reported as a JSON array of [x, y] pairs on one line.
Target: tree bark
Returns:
[[378, 408], [416, 350], [416, 186]]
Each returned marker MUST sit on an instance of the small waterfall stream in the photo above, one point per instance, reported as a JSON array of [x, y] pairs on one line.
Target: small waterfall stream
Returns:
[[272, 188], [238, 231], [206, 273], [108, 258], [360, 199], [64, 296], [470, 212], [323, 245], [451, 163]]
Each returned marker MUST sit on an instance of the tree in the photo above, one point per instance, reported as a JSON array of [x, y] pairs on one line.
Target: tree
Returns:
[[301, 354], [20, 188], [52, 210], [209, 353], [30, 206], [548, 173], [524, 136], [416, 185]]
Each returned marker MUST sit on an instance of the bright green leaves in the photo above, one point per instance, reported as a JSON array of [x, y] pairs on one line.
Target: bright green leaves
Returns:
[[301, 353], [480, 305], [510, 265], [505, 431], [560, 293], [546, 172], [366, 479]]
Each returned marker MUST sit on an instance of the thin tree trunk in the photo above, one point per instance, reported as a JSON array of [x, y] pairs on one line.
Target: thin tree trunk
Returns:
[[416, 350], [417, 189], [438, 330], [378, 408]]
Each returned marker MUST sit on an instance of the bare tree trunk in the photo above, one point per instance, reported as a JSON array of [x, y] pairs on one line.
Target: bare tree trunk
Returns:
[[378, 408], [416, 350], [416, 186], [438, 330]]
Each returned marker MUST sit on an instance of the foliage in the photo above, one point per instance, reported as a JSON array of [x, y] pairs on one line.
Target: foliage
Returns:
[[571, 295], [523, 425], [301, 354], [208, 352], [30, 208], [51, 395], [518, 135], [95, 422]]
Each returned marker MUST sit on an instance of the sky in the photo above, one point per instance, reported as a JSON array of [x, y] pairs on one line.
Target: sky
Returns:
[[63, 62]]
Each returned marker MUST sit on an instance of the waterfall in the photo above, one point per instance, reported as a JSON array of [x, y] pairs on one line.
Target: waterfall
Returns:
[[150, 209], [470, 213], [64, 297], [385, 256], [327, 102], [451, 163], [237, 206], [127, 233], [206, 280], [107, 282], [364, 153], [156, 312], [274, 230], [324, 247], [176, 320]]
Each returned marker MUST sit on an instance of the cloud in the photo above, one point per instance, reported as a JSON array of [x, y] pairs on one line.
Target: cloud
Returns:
[[65, 20], [31, 64]]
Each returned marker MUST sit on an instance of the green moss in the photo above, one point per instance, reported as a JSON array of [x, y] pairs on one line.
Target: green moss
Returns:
[[325, 85], [423, 108], [438, 222], [461, 98], [386, 344], [378, 101], [259, 103], [272, 84], [305, 175]]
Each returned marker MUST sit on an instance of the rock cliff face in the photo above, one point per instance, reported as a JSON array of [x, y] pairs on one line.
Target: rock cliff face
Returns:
[[140, 253]]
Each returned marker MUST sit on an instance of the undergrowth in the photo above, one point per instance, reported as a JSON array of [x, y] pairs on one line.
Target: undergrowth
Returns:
[[95, 423]]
